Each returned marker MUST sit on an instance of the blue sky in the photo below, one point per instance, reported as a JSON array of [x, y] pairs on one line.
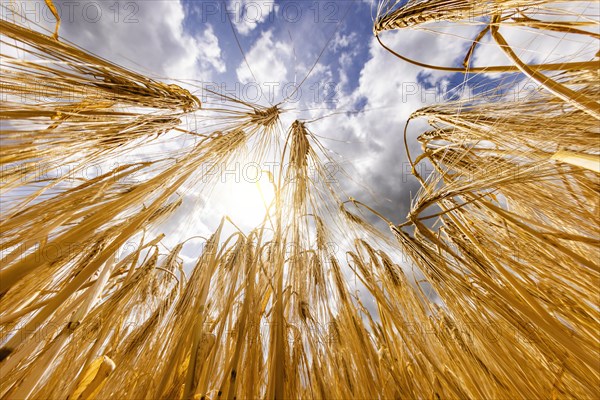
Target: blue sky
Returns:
[[341, 29]]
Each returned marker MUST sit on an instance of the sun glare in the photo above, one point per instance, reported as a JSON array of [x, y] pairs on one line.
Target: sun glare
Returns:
[[246, 200]]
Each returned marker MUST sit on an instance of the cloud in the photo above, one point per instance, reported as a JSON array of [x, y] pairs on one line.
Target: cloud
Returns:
[[148, 37], [268, 59], [204, 51], [247, 14], [341, 41], [391, 90]]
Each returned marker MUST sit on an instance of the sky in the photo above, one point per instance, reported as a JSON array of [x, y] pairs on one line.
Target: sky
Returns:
[[320, 56]]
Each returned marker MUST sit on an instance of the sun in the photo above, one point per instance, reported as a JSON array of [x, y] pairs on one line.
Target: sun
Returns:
[[247, 199]]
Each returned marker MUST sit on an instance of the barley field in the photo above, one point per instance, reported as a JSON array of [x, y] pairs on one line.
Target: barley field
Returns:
[[483, 285]]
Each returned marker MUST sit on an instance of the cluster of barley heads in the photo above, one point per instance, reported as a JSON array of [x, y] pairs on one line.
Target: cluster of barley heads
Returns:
[[504, 231]]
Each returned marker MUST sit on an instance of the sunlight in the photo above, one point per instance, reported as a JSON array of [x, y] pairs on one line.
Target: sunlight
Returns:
[[245, 201]]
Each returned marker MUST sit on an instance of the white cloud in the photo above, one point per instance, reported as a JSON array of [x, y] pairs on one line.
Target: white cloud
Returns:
[[148, 37], [341, 41], [374, 152], [268, 59], [203, 52], [247, 14]]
